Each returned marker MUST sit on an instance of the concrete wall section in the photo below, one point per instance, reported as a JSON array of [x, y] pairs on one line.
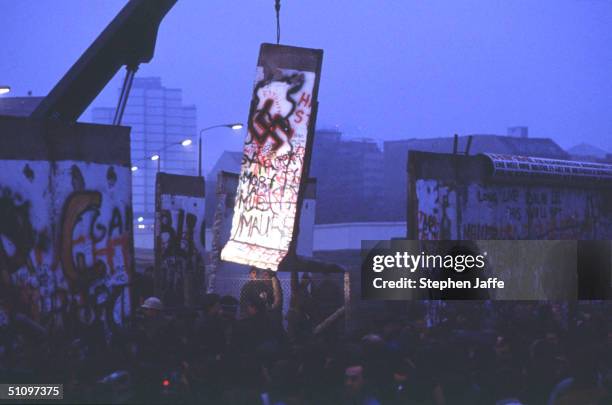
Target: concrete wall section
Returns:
[[180, 233], [229, 277], [65, 221], [276, 156], [457, 197]]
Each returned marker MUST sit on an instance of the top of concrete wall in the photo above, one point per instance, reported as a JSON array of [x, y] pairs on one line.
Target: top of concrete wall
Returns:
[[178, 184], [19, 106], [27, 139], [508, 168]]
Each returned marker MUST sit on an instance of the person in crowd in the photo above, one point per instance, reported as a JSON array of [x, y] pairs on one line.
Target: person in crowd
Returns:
[[153, 321], [466, 353], [356, 390], [584, 385], [273, 296], [256, 329], [210, 332], [301, 309], [229, 313], [229, 308], [252, 289]]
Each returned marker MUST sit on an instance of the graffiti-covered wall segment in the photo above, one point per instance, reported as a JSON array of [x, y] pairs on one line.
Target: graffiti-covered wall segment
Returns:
[[459, 197], [276, 151], [179, 238], [65, 221]]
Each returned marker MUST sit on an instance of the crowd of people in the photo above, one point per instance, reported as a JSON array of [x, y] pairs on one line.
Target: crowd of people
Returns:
[[248, 350]]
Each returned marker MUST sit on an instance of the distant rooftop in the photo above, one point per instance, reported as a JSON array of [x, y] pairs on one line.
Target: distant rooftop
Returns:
[[585, 149], [543, 147], [229, 161]]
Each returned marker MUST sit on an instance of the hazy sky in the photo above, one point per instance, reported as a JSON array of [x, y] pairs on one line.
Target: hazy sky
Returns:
[[391, 69]]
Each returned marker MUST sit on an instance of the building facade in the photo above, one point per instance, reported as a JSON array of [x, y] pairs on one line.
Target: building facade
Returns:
[[159, 122], [349, 175]]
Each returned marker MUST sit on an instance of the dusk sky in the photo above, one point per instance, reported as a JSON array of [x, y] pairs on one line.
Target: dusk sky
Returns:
[[391, 69]]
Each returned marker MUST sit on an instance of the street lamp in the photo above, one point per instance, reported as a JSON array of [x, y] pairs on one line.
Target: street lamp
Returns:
[[157, 156], [5, 89], [234, 126]]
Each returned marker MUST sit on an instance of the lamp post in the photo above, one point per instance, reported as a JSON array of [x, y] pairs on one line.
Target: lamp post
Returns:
[[234, 126], [157, 156]]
